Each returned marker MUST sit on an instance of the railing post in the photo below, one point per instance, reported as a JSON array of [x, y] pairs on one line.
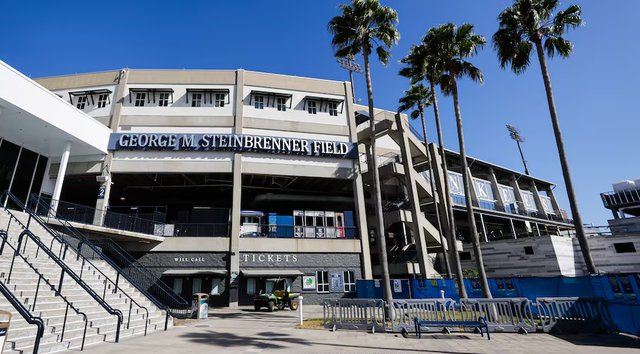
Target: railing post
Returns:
[[60, 283], [115, 289], [64, 323], [35, 297]]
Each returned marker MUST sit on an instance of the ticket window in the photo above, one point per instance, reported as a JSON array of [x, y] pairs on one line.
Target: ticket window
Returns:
[[217, 286], [298, 223], [251, 286], [319, 220], [330, 222], [309, 224], [340, 225]]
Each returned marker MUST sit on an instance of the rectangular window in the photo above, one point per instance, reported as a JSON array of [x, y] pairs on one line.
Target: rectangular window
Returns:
[[177, 286], [219, 100], [140, 98], [312, 107], [215, 286], [163, 100], [322, 280], [196, 100], [465, 256], [281, 103], [624, 247], [528, 250], [349, 282], [333, 108], [102, 100], [251, 286], [258, 102], [196, 286], [82, 101]]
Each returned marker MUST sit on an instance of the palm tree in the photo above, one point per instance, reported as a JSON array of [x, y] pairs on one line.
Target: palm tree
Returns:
[[420, 97], [454, 45], [423, 64], [529, 23], [363, 26]]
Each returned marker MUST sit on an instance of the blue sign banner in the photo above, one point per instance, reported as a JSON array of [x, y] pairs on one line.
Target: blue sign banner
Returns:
[[231, 142]]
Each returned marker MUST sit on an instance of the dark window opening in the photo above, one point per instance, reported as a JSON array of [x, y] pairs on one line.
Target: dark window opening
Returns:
[[624, 247], [528, 250], [465, 256]]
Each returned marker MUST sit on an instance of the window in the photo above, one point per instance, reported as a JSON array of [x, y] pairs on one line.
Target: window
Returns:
[[251, 286], [258, 102], [333, 108], [349, 282], [82, 101], [196, 100], [140, 97], [465, 256], [197, 285], [102, 100], [624, 247], [163, 100], [177, 286], [281, 103], [216, 286], [528, 250], [312, 107], [322, 280], [219, 100]]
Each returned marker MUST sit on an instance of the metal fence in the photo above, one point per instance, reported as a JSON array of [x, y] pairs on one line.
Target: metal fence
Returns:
[[502, 315], [573, 315], [363, 314], [403, 312]]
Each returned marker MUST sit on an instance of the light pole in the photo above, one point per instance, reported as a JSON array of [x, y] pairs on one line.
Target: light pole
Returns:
[[349, 63], [514, 133]]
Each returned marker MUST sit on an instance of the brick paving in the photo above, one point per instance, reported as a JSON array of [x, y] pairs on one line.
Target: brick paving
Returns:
[[245, 331]]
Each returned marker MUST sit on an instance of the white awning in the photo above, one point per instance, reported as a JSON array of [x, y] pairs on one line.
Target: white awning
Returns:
[[194, 272], [271, 272]]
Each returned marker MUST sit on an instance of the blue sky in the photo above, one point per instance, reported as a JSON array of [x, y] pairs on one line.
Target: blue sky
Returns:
[[595, 95]]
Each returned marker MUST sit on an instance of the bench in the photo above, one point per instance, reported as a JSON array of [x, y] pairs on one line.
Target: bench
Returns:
[[479, 325]]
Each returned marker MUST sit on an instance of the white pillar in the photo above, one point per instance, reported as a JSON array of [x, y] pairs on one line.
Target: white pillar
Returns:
[[60, 178]]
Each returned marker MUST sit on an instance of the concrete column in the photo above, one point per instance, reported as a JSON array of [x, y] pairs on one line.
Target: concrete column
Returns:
[[57, 189], [118, 99], [496, 189], [104, 192], [236, 205], [554, 202], [358, 190], [538, 200], [416, 213], [517, 192]]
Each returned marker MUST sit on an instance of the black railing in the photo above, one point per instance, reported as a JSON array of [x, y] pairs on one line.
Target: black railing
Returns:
[[85, 248], [24, 312], [200, 230], [143, 277], [289, 231], [85, 215]]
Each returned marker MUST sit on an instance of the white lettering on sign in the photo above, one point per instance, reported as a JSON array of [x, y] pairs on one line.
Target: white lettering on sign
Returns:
[[261, 258], [188, 259], [234, 142]]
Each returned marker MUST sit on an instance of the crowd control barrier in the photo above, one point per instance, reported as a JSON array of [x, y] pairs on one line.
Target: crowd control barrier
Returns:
[[573, 315], [404, 312], [502, 315], [367, 314]]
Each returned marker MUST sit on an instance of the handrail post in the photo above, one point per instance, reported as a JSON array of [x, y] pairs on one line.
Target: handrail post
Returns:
[[60, 284], [64, 323]]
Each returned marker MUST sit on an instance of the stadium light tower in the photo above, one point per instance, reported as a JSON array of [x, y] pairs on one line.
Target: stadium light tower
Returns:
[[514, 133], [349, 63]]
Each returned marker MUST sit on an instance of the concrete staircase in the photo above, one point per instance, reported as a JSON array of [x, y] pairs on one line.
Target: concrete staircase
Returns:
[[99, 276]]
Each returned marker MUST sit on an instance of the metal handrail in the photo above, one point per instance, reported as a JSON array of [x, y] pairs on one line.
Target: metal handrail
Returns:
[[24, 312], [143, 276], [58, 259], [78, 236], [4, 235]]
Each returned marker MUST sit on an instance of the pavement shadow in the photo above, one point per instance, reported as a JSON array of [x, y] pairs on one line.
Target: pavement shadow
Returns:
[[601, 340]]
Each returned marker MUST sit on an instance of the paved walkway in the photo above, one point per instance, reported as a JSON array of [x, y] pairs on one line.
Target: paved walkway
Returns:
[[245, 331]]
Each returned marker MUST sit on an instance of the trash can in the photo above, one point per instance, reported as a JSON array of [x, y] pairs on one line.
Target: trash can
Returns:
[[200, 305], [5, 319]]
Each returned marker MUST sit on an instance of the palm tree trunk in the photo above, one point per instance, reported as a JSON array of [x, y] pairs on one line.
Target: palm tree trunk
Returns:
[[381, 234], [433, 190], [467, 192], [446, 197], [573, 203]]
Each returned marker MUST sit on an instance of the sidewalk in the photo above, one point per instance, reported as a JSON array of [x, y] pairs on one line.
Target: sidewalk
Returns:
[[246, 331]]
